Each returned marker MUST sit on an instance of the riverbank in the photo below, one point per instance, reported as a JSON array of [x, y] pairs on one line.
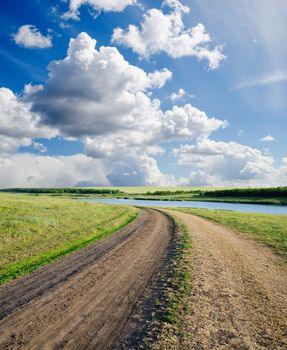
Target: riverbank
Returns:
[[267, 196]]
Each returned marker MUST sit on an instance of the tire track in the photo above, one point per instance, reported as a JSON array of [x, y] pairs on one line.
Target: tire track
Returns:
[[84, 300], [239, 299]]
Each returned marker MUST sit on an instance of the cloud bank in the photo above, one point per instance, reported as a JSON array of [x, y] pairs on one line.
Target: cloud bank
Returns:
[[106, 103]]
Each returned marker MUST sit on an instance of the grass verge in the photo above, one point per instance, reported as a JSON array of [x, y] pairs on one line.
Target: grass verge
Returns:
[[266, 228], [168, 328], [35, 231]]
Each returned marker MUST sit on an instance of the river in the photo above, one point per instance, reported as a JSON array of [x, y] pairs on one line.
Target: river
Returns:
[[250, 208]]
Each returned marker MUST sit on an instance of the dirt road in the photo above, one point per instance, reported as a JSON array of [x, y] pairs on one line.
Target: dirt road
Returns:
[[84, 300], [239, 300]]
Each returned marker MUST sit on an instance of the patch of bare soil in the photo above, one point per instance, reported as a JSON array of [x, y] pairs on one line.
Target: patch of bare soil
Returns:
[[239, 297], [85, 300]]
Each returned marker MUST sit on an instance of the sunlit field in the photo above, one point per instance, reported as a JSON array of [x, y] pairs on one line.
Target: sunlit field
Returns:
[[35, 230]]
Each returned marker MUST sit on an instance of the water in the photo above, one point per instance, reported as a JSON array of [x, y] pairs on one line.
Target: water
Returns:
[[251, 208]]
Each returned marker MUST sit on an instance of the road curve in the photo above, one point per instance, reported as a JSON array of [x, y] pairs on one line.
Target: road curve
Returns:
[[84, 300], [239, 297]]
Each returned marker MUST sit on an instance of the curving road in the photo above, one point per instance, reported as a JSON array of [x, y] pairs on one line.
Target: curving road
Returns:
[[84, 300]]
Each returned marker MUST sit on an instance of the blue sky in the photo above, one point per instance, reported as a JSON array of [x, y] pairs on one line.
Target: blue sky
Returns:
[[126, 92]]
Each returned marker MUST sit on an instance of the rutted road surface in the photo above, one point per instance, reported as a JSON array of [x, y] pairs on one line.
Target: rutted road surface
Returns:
[[239, 297], [84, 300]]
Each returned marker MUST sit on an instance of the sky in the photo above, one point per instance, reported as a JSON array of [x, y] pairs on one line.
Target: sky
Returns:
[[143, 93]]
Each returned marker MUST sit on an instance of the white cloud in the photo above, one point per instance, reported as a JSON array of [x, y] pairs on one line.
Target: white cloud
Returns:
[[160, 32], [228, 163], [267, 138], [29, 36], [177, 5], [18, 125], [28, 170], [120, 124], [38, 146], [200, 178], [115, 108], [96, 5], [189, 122], [141, 170], [175, 96], [100, 86], [30, 89], [179, 123], [9, 145]]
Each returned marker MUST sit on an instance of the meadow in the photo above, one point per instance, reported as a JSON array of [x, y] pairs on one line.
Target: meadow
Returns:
[[266, 228], [35, 230]]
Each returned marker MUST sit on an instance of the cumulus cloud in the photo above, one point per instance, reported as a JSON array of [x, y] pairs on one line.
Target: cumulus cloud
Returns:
[[111, 96], [189, 122], [226, 163], [96, 5], [179, 123], [28, 170], [18, 124], [38, 146], [100, 86], [142, 170], [166, 32], [175, 96], [106, 103], [267, 138], [30, 37]]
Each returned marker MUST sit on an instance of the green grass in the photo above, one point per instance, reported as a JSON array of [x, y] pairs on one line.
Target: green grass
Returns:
[[174, 319], [180, 281], [271, 196], [145, 189], [266, 228], [246, 200], [35, 230]]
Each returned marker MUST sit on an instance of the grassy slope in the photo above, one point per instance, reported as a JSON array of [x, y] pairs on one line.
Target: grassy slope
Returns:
[[266, 228], [37, 230]]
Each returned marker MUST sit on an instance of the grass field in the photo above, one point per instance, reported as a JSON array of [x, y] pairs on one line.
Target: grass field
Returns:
[[266, 228], [35, 230]]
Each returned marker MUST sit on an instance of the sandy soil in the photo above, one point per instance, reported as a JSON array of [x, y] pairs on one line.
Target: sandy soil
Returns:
[[84, 300], [239, 300]]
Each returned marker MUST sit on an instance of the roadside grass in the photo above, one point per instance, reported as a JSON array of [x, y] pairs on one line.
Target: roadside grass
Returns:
[[36, 230], [266, 228], [174, 320]]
